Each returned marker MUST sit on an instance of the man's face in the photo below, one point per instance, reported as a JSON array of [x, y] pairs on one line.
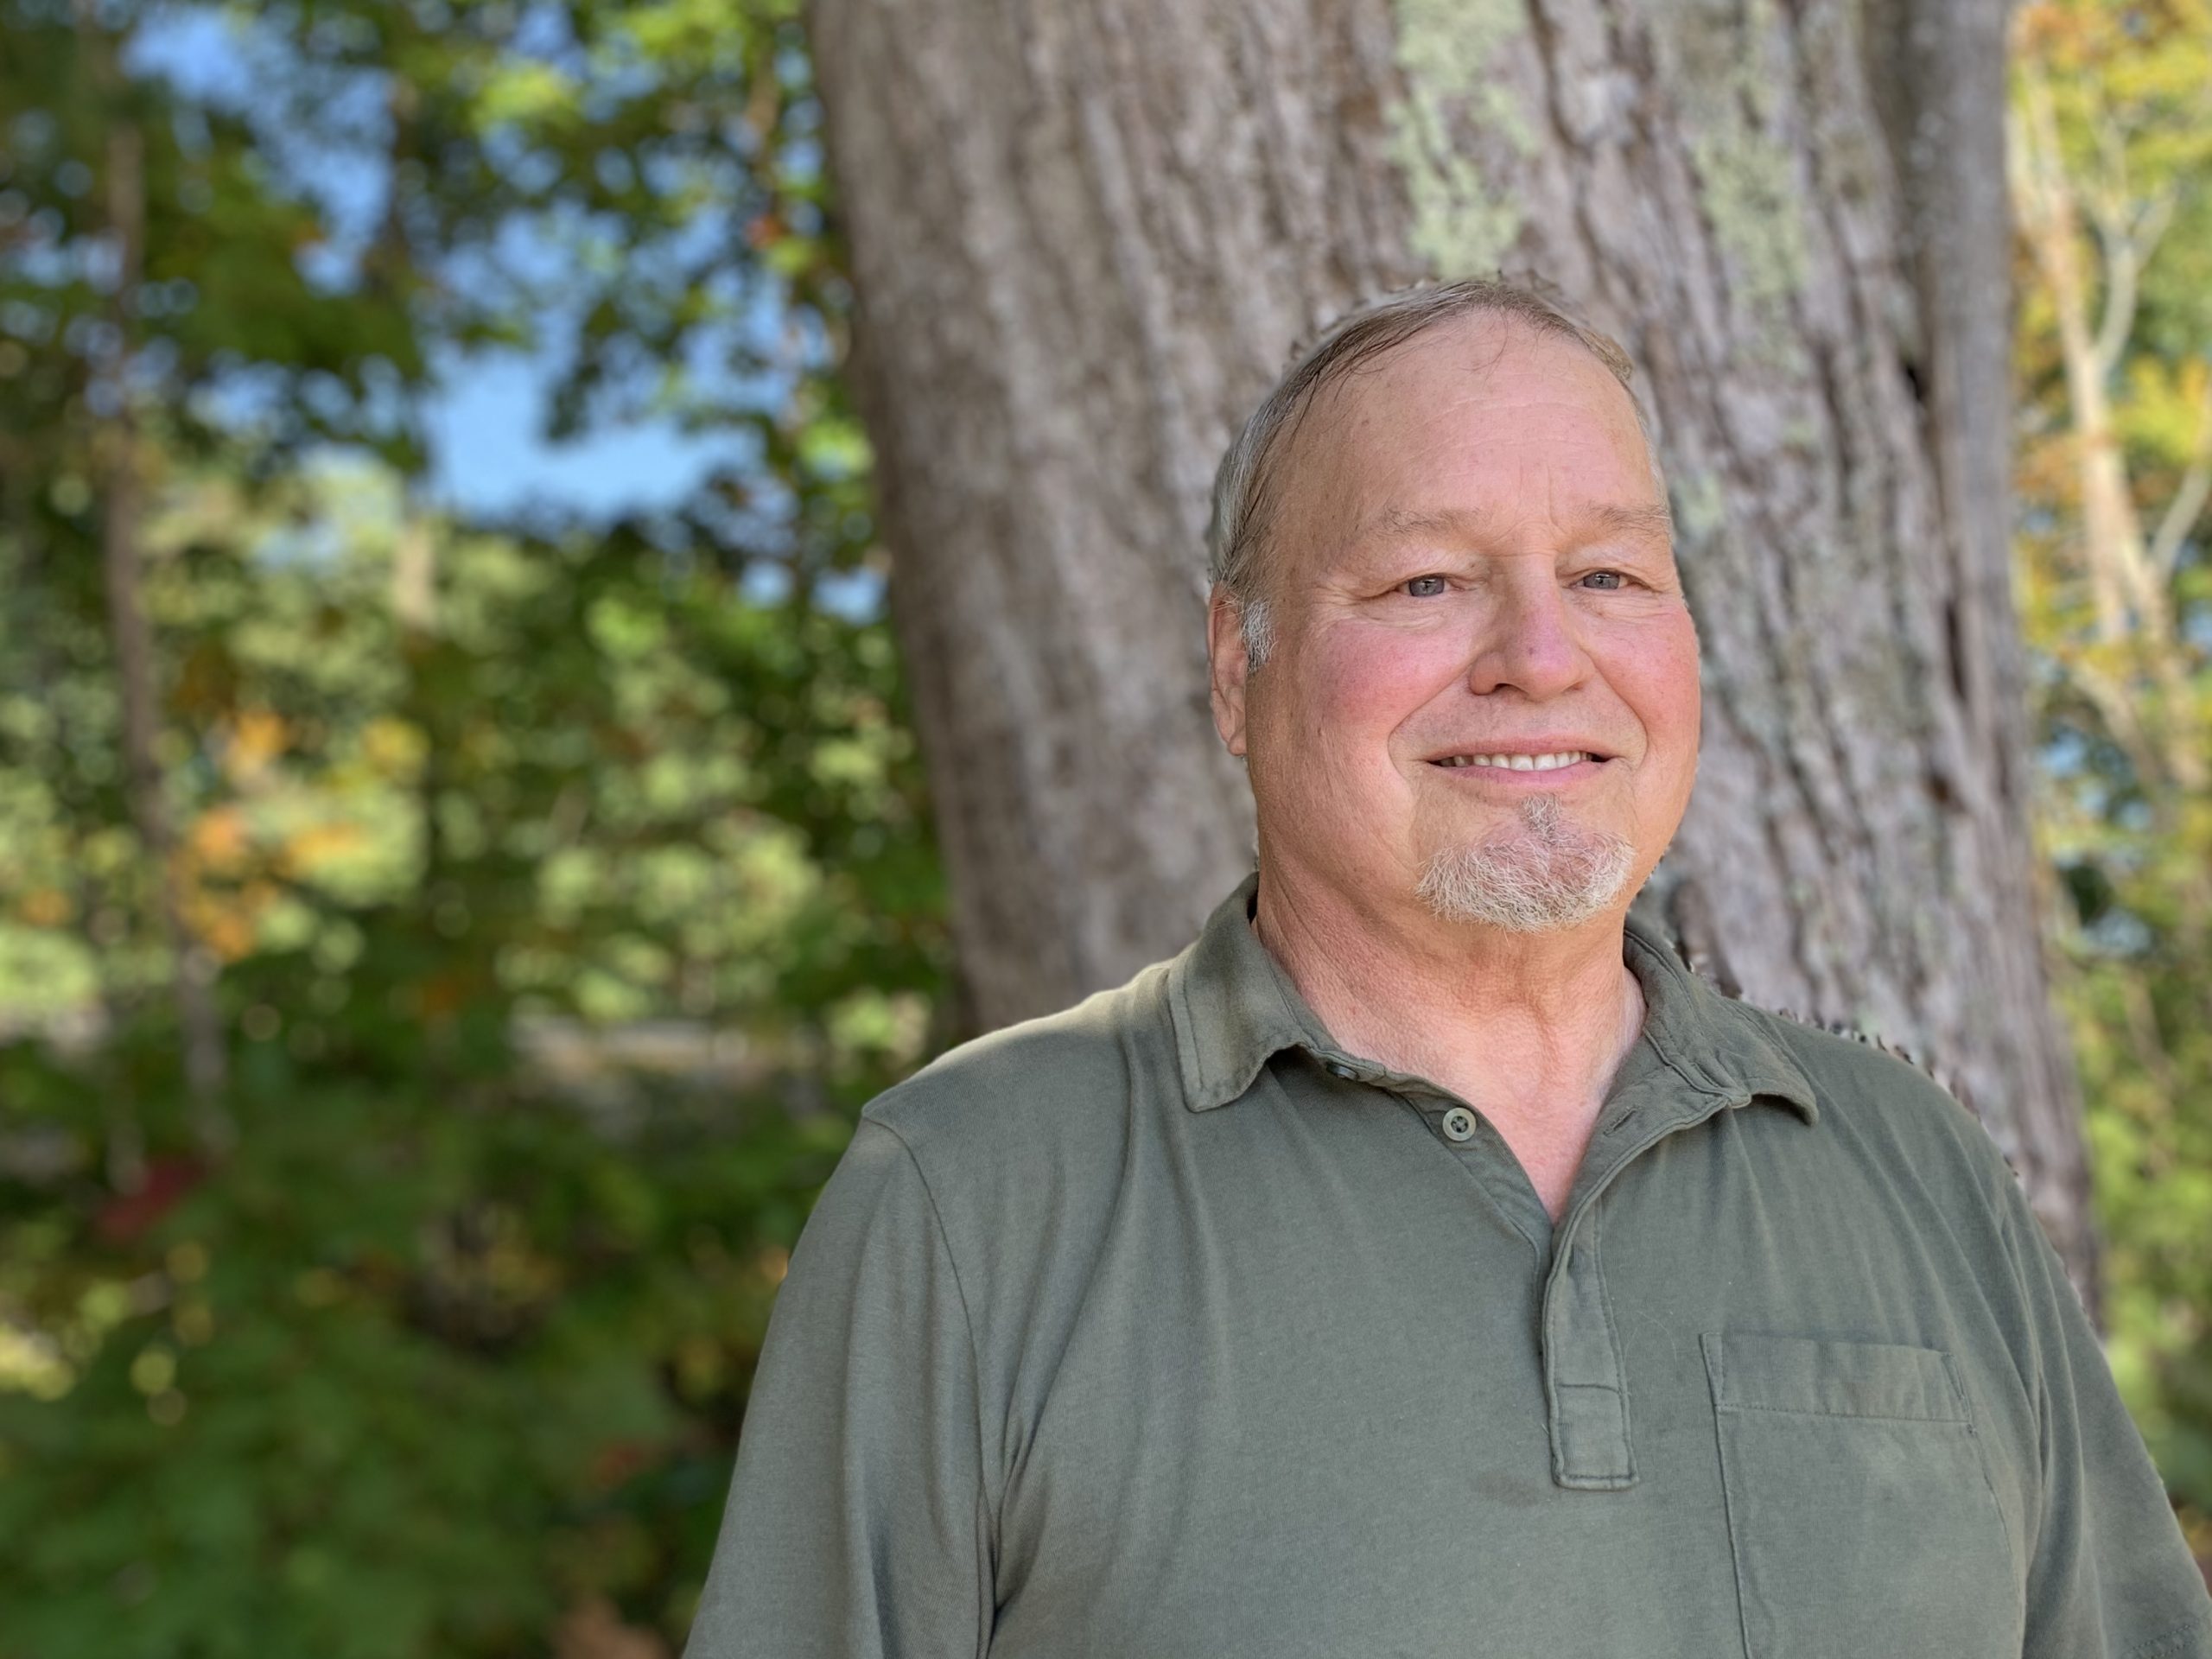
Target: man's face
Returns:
[[1468, 557]]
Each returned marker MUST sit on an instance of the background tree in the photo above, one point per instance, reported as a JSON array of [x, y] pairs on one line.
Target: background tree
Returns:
[[1084, 235], [2111, 137]]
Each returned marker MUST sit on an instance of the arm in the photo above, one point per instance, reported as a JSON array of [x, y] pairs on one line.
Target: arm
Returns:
[[857, 1527], [2110, 1576]]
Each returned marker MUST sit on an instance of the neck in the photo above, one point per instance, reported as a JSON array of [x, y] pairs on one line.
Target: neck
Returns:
[[1524, 1027]]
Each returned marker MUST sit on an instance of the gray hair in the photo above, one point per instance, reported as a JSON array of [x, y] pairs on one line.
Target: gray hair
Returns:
[[1242, 498]]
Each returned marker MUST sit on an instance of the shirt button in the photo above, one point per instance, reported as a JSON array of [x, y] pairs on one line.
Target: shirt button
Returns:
[[1341, 1070], [1459, 1124]]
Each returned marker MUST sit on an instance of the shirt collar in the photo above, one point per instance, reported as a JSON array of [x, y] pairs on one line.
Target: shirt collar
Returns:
[[1235, 1007]]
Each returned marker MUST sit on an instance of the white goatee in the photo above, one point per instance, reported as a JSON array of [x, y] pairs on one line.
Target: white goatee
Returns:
[[1540, 872]]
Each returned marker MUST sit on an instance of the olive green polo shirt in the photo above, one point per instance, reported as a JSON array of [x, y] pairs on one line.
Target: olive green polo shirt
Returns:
[[1165, 1328]]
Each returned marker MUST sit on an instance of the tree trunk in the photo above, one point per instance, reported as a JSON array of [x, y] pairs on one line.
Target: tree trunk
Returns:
[[1085, 233], [199, 1020]]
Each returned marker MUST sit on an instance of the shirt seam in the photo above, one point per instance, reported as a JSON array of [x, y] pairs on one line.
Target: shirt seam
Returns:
[[1734, 1518], [2020, 1566], [976, 1361], [2170, 1641], [1595, 1245], [2015, 1249], [1851, 1416]]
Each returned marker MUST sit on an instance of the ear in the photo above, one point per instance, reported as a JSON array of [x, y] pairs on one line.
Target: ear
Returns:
[[1230, 666]]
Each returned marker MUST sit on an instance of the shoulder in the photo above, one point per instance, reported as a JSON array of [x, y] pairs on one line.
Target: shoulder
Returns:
[[989, 1158], [1885, 1103], [1062, 1080], [1021, 1140], [1899, 1167]]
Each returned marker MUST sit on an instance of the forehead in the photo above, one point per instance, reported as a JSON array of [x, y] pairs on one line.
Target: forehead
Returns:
[[1479, 418]]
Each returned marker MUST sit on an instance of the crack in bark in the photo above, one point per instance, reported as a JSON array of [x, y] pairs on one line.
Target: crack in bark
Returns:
[[1898, 577]]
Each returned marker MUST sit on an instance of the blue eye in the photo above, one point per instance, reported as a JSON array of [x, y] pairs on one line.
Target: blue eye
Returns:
[[1617, 575], [1414, 590]]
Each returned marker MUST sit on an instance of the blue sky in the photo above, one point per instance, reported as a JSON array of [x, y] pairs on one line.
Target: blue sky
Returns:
[[489, 455]]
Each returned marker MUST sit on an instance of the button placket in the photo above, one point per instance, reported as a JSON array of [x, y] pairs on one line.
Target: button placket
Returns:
[[1584, 1381], [1591, 1448]]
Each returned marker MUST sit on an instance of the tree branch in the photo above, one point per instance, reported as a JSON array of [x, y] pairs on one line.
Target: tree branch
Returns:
[[2189, 500]]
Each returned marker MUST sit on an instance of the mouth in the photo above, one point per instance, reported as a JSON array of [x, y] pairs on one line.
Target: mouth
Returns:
[[1551, 767]]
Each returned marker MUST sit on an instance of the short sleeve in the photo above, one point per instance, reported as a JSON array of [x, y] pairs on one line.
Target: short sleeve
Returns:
[[855, 1525], [2109, 1576]]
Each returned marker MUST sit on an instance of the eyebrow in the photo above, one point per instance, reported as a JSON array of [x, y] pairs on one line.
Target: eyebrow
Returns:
[[1398, 524]]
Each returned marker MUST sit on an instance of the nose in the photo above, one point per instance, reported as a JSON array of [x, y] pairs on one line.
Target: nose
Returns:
[[1526, 640]]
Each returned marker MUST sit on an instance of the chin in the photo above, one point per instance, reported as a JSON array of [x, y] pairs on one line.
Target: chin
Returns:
[[1542, 873]]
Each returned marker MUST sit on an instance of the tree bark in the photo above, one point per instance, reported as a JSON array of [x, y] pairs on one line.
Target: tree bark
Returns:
[[1085, 234]]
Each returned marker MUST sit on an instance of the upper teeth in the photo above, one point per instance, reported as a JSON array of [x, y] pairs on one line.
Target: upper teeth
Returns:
[[1518, 762]]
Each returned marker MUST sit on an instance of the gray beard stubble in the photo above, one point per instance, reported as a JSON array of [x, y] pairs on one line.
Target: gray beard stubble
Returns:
[[1540, 872]]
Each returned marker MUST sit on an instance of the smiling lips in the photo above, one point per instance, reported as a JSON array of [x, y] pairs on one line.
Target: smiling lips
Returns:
[[1553, 762]]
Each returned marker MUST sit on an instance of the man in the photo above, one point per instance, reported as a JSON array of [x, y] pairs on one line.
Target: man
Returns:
[[1425, 1262]]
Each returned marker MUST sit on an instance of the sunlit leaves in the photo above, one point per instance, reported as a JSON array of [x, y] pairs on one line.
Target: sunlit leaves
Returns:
[[2129, 88]]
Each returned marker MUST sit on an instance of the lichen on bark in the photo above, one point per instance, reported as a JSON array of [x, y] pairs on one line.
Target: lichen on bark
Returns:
[[1454, 107], [1727, 78]]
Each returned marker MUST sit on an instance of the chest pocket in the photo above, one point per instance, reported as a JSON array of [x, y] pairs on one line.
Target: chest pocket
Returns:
[[1859, 1507]]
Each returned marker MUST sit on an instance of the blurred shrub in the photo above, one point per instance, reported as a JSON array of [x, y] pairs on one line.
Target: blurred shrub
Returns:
[[456, 1337], [565, 886]]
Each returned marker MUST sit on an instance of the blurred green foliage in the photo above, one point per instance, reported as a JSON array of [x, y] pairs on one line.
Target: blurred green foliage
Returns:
[[458, 1336], [569, 884], [2111, 153]]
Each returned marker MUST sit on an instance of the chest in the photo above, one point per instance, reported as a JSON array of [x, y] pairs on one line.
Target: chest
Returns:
[[1335, 1394]]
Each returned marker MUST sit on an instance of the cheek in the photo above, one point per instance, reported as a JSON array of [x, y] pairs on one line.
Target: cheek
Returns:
[[1367, 681], [1659, 681]]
